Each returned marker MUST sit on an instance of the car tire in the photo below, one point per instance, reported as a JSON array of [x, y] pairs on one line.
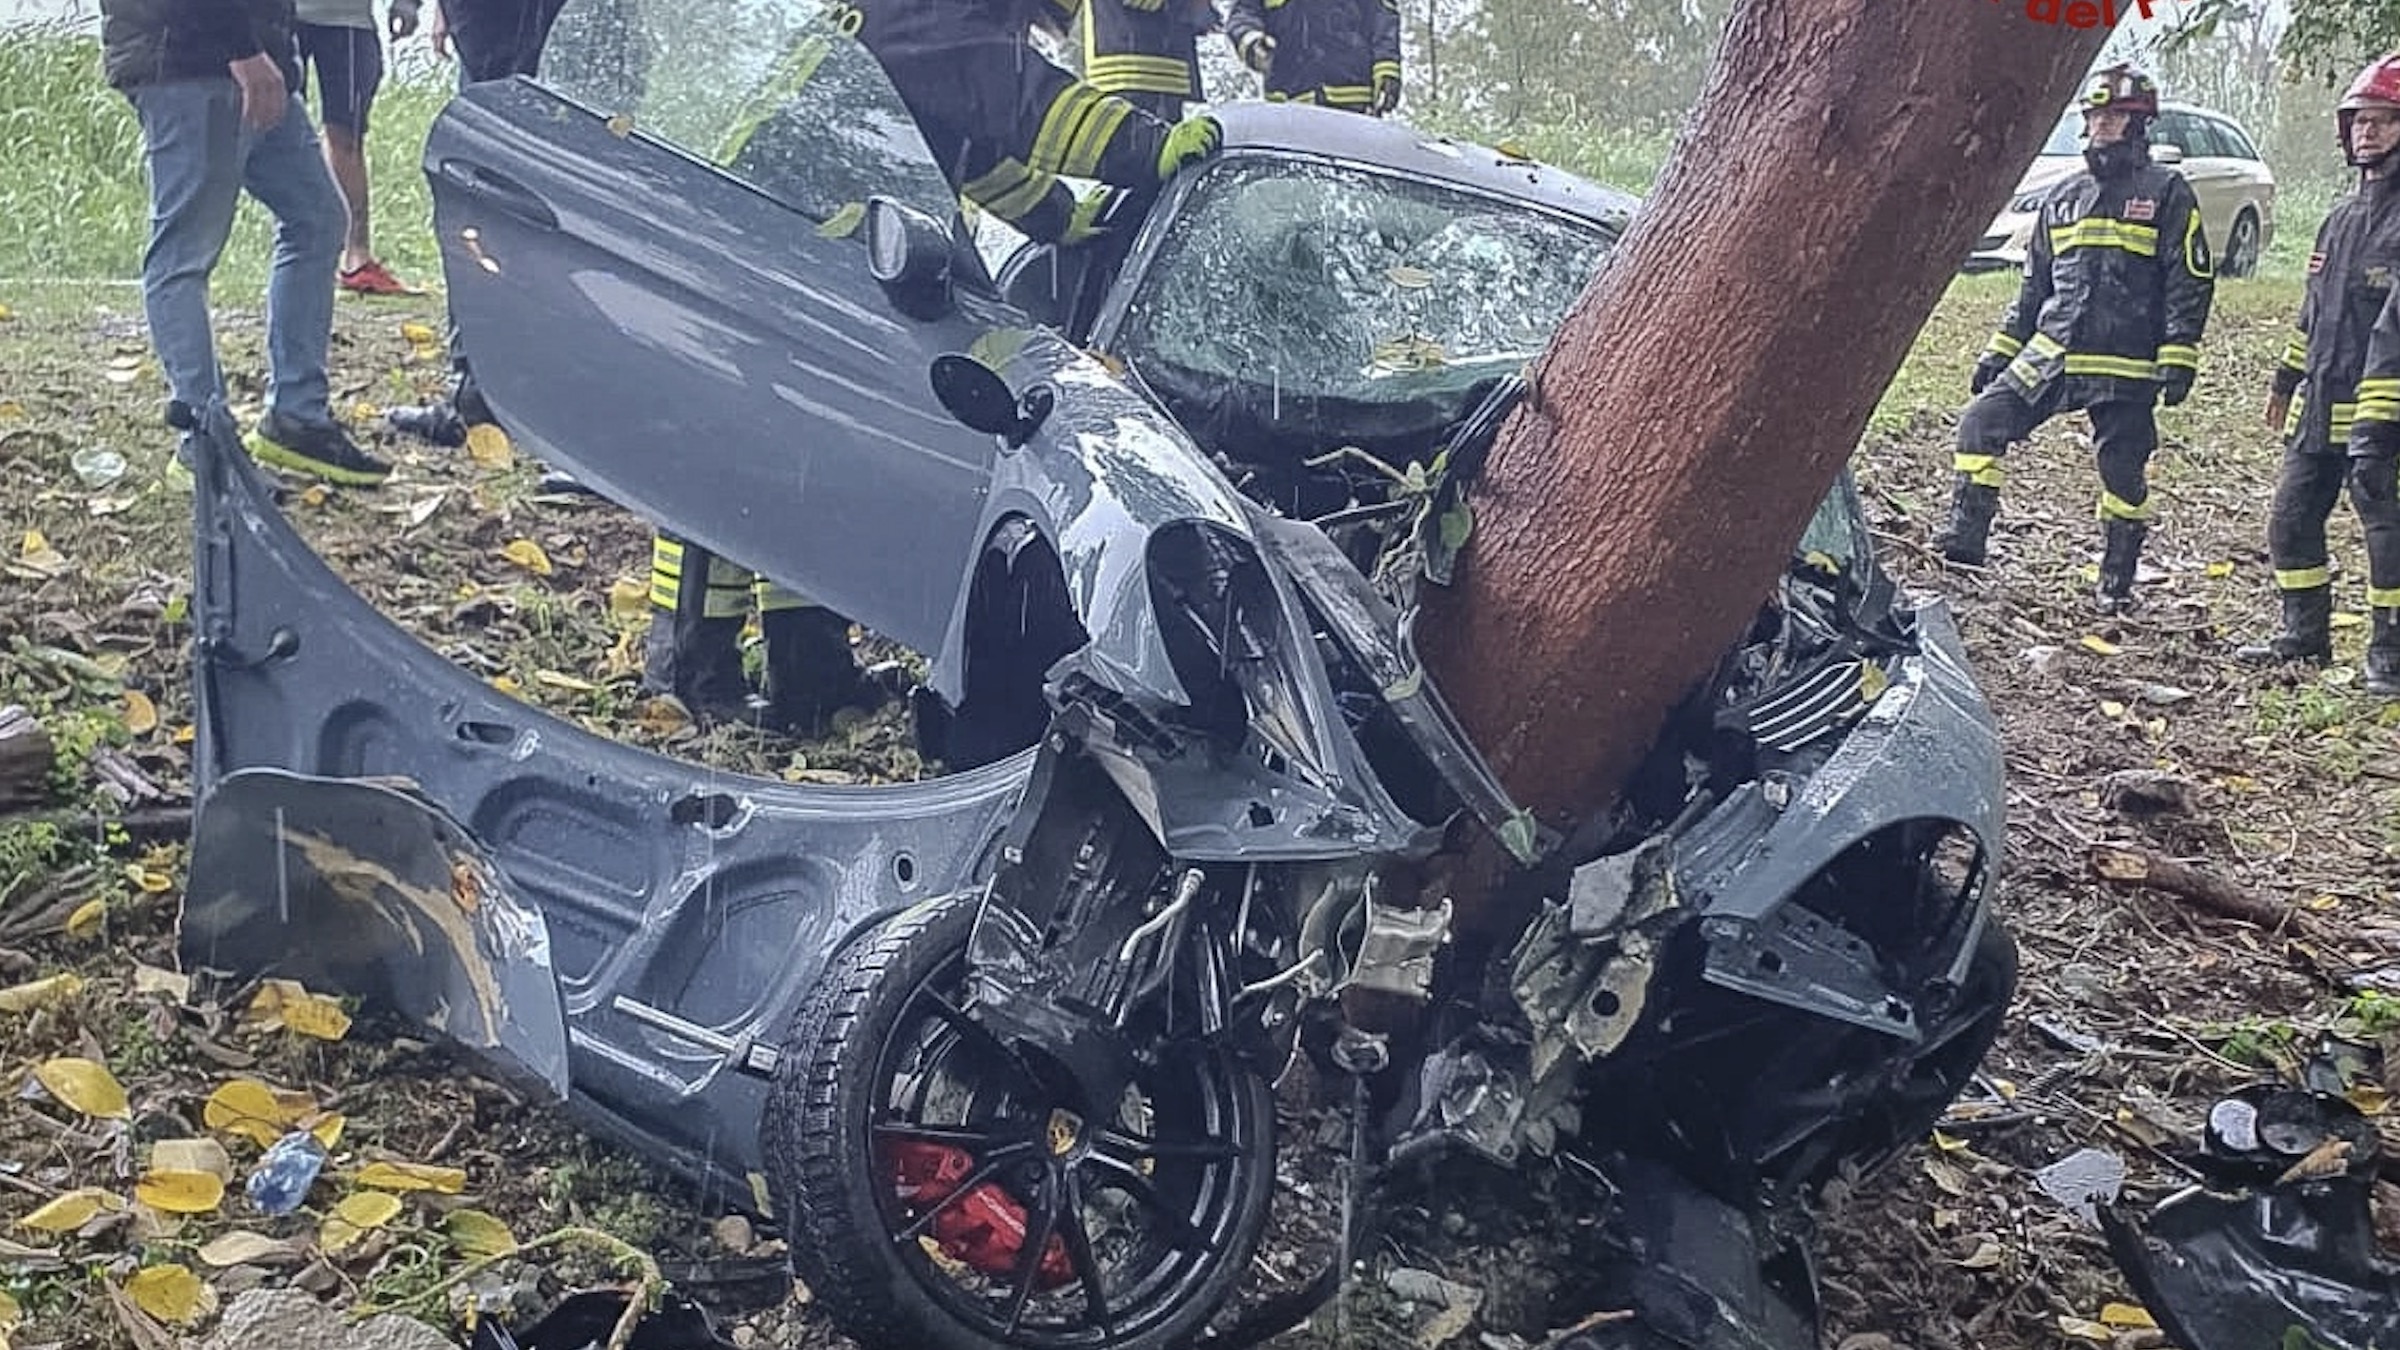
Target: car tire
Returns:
[[2241, 246], [830, 1130]]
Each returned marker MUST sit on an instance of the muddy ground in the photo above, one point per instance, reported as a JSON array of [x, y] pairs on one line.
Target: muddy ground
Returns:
[[2294, 782]]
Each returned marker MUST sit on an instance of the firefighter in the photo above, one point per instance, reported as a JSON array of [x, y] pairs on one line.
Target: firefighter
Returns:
[[1005, 124], [1340, 53], [2347, 369], [1146, 52], [2117, 289], [2375, 475], [699, 603]]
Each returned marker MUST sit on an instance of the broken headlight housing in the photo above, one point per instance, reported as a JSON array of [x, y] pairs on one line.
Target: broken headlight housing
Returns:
[[1233, 648]]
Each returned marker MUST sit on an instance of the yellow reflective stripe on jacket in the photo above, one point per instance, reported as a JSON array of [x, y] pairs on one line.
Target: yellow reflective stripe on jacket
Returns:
[[2303, 578], [2179, 354], [1076, 130], [2379, 399], [2122, 367], [2004, 345], [2038, 348], [2341, 415], [1138, 74], [2140, 240], [2383, 597], [2114, 507], [1981, 470], [1347, 95], [773, 597], [1009, 190], [2194, 250], [2295, 352], [1384, 70]]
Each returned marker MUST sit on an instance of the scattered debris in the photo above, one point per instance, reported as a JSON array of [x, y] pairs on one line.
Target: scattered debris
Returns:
[[2133, 865], [2083, 1181]]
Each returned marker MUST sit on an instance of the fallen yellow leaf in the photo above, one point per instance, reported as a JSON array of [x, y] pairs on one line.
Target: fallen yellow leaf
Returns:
[[560, 680], [478, 1233], [408, 1176], [141, 715], [191, 1155], [418, 333], [86, 920], [354, 1217], [289, 1004], [148, 879], [2126, 1315], [661, 716], [73, 1210], [11, 410], [628, 601], [506, 684], [1948, 1144], [185, 733], [84, 1084], [181, 1192], [328, 1129], [2085, 1329], [315, 495], [34, 993], [244, 1248], [246, 1107], [2219, 569], [2094, 643], [488, 446], [527, 554], [620, 126], [11, 1316], [2111, 709], [171, 1293]]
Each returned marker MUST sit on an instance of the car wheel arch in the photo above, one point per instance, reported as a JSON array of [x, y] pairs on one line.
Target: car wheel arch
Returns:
[[1019, 620]]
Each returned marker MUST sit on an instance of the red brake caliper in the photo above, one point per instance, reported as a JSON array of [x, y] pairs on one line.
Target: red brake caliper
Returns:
[[986, 1230]]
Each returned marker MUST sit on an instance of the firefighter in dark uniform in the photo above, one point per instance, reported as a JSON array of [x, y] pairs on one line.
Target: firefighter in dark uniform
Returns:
[[2375, 491], [2342, 428], [1005, 124], [1340, 53], [2117, 289], [1146, 52]]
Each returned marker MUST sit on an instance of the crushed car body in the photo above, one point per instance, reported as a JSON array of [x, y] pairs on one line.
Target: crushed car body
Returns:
[[995, 1047]]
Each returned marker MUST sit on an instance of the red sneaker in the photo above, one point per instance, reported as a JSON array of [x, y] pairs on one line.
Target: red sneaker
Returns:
[[373, 278]]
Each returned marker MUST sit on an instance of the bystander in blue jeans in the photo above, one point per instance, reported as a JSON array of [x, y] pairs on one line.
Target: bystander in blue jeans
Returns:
[[201, 158]]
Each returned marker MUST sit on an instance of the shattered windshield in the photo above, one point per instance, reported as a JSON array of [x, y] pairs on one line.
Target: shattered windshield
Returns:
[[1330, 282]]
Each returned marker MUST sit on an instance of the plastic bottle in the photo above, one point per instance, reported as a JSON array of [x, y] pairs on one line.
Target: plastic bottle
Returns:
[[283, 1176]]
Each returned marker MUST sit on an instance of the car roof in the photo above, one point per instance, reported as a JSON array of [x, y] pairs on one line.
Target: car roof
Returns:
[[1298, 128]]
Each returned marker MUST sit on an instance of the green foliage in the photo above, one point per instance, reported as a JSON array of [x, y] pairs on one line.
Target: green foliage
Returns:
[[2375, 1012], [76, 196], [29, 849]]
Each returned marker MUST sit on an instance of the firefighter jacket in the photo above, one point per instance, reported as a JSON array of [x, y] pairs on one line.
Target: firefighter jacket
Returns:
[[1326, 51], [1145, 46], [2117, 288], [1002, 121], [2375, 431], [2350, 275]]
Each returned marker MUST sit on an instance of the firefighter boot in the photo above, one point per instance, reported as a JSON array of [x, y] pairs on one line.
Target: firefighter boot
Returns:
[[2307, 631], [2383, 654], [811, 674], [2120, 558], [1972, 507], [699, 661]]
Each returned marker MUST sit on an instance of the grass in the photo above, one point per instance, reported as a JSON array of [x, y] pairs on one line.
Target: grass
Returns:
[[76, 197]]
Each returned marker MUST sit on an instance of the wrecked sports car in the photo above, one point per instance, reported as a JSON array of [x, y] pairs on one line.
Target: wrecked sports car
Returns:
[[997, 1048]]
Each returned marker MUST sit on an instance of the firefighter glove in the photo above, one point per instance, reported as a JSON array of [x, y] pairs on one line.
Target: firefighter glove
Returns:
[[2176, 382], [1387, 93], [2374, 476], [1986, 370], [1092, 217], [1189, 141], [1258, 52]]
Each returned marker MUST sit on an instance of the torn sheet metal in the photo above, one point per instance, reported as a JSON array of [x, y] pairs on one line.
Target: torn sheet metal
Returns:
[[2278, 1248], [365, 888]]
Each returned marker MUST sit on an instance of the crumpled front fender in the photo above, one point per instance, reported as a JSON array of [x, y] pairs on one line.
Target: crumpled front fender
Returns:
[[355, 886]]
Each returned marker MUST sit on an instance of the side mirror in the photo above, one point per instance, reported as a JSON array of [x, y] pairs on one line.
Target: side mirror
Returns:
[[2166, 154], [908, 253], [975, 394]]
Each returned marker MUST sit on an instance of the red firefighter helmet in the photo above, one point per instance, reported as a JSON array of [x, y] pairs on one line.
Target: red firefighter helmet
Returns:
[[2378, 86], [2122, 88]]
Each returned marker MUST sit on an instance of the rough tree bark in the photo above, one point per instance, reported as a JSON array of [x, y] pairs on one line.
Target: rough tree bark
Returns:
[[1706, 390]]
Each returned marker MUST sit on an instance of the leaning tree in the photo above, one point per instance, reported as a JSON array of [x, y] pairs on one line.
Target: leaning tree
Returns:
[[1707, 388]]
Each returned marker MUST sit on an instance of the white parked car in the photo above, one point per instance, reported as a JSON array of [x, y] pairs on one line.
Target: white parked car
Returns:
[[2236, 190]]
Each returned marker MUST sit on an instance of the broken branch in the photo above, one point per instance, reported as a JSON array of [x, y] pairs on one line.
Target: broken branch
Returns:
[[2129, 865]]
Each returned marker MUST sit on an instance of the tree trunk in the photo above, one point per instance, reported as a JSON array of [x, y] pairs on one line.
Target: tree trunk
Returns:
[[1709, 386]]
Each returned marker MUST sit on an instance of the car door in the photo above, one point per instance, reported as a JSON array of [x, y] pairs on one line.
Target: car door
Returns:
[[659, 282]]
